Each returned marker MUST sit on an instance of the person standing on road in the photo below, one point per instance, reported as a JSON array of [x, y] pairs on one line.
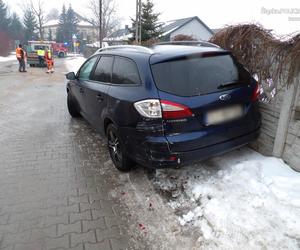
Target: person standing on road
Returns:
[[49, 60], [41, 54], [20, 53]]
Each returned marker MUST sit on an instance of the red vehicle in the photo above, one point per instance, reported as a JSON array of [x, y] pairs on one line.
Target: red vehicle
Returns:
[[59, 49]]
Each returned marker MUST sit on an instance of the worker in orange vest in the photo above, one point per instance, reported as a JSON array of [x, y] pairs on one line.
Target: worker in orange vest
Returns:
[[49, 60], [21, 56]]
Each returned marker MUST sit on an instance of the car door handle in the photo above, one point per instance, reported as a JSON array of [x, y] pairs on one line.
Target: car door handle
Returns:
[[99, 97], [81, 90]]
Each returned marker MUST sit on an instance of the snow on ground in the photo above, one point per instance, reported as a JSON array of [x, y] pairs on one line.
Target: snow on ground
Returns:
[[241, 200], [11, 57], [74, 62]]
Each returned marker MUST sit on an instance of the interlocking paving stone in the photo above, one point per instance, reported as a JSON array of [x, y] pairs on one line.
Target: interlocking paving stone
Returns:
[[104, 245], [69, 228], [53, 194], [93, 224], [89, 236]]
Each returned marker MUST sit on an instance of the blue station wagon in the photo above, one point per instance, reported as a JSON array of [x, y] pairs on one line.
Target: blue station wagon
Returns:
[[167, 105]]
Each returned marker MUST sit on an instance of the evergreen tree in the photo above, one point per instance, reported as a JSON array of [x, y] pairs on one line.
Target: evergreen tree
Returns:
[[30, 25], [67, 25], [50, 37], [72, 21], [62, 29], [4, 28], [16, 28], [151, 28], [4, 17]]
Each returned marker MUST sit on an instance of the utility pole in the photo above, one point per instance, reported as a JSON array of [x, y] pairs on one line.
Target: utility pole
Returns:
[[138, 22], [100, 24]]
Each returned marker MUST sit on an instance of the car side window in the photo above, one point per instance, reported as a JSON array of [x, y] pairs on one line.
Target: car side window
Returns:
[[103, 69], [125, 72], [86, 69]]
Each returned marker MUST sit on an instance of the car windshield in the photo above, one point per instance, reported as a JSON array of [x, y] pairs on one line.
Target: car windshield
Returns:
[[198, 76]]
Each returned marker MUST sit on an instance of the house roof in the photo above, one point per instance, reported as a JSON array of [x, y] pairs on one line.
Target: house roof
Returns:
[[52, 23], [82, 22], [171, 26], [120, 35], [167, 28]]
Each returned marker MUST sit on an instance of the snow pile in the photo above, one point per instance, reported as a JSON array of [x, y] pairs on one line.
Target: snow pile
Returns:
[[239, 200], [74, 63], [11, 57]]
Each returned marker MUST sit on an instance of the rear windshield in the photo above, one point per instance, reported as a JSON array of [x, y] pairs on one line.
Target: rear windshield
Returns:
[[198, 76]]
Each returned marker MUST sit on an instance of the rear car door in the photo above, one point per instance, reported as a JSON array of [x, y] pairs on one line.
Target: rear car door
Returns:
[[209, 85], [96, 91], [79, 85]]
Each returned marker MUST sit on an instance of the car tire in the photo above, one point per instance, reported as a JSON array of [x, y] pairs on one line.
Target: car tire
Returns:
[[117, 150], [61, 55], [73, 111]]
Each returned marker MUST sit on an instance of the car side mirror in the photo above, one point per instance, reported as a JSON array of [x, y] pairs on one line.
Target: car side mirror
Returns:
[[71, 76]]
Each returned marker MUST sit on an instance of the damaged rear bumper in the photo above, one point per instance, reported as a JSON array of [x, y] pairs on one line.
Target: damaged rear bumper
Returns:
[[155, 152]]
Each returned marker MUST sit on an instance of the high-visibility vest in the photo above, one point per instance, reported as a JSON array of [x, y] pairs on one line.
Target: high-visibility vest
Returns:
[[49, 55], [19, 53], [41, 52]]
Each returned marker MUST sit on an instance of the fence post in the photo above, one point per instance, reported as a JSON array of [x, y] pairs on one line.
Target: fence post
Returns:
[[284, 118]]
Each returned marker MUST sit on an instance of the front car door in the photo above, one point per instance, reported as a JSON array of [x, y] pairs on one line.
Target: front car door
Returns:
[[79, 85], [97, 89]]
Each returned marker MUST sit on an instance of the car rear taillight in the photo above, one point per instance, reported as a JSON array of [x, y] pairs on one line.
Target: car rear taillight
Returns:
[[154, 108], [171, 110], [256, 93], [149, 108]]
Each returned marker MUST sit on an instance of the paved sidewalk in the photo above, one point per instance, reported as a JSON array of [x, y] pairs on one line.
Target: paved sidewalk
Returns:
[[56, 178]]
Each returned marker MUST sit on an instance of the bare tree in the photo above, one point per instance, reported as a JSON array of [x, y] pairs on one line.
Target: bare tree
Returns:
[[110, 22], [37, 8]]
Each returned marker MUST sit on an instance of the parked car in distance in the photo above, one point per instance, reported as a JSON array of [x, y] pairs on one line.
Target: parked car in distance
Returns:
[[168, 105]]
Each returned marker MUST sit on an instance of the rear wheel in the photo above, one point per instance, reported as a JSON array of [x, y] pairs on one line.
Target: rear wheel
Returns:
[[73, 111], [116, 150], [61, 54]]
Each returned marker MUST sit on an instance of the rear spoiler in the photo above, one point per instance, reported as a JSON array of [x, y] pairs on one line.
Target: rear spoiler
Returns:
[[189, 56]]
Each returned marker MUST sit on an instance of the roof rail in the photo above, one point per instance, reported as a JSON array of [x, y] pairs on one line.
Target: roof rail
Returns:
[[130, 47], [189, 43]]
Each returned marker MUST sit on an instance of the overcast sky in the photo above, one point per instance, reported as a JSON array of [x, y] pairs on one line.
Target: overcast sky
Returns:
[[284, 19]]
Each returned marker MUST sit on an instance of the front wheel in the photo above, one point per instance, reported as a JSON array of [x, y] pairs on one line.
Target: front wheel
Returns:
[[116, 150]]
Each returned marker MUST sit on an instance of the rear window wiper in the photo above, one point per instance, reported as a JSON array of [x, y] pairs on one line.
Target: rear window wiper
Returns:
[[230, 84]]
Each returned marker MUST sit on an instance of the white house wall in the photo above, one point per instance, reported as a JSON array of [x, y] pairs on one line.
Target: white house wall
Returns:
[[194, 29]]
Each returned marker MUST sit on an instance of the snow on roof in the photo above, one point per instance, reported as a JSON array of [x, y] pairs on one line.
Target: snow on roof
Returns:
[[56, 22], [84, 23], [169, 31], [51, 23], [119, 35]]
